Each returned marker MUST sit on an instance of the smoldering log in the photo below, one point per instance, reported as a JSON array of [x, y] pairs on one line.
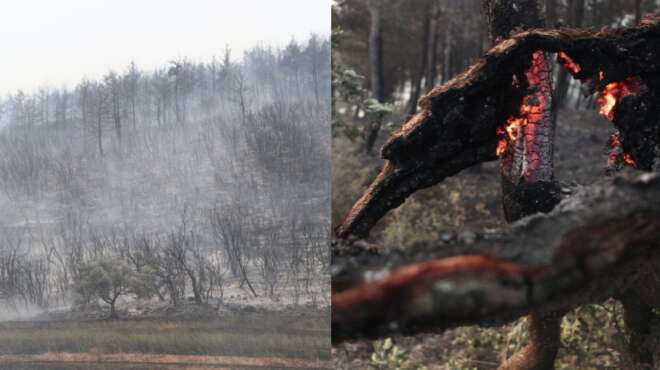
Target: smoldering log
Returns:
[[458, 124], [592, 246]]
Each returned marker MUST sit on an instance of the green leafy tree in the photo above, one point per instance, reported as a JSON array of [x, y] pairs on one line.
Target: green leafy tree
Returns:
[[108, 278], [348, 85]]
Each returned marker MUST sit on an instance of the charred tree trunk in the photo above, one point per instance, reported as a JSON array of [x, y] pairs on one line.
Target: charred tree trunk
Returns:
[[527, 165]]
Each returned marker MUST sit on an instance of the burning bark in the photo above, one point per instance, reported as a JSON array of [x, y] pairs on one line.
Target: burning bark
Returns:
[[526, 139], [461, 121], [597, 244]]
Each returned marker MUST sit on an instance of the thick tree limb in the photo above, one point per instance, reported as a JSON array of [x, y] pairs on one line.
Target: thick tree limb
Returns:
[[458, 124], [591, 247]]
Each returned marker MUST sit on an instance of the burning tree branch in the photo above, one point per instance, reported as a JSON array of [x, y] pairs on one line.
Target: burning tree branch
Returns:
[[462, 123], [597, 244]]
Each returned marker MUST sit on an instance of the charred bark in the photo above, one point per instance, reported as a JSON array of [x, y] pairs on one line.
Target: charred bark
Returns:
[[460, 123], [597, 244]]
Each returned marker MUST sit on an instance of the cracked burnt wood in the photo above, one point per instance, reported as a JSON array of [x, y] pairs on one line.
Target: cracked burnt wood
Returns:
[[599, 243], [458, 124]]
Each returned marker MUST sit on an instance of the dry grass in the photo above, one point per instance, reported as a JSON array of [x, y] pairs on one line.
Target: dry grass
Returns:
[[254, 335]]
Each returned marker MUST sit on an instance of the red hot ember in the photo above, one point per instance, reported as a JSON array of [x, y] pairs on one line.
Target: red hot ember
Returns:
[[617, 156], [568, 63], [608, 97], [525, 144]]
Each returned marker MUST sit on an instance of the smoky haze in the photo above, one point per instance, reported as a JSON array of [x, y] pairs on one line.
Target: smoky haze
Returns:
[[201, 176], [47, 43]]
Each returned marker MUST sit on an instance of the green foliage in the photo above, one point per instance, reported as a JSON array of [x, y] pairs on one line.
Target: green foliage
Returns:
[[108, 278], [349, 90], [375, 108], [387, 356], [348, 87]]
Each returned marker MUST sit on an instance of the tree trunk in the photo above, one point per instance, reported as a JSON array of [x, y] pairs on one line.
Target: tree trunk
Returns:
[[574, 18], [432, 47], [527, 162], [446, 53], [551, 13], [527, 169], [113, 310], [99, 134], [375, 67], [540, 353], [197, 292], [639, 319], [421, 72]]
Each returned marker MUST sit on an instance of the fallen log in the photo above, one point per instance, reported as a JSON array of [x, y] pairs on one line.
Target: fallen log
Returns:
[[594, 245], [462, 122]]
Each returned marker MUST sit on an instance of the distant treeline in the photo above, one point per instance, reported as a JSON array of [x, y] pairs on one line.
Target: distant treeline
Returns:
[[179, 92]]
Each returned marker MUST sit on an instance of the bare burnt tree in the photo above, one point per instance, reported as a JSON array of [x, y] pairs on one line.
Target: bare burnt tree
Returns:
[[112, 83], [184, 249], [130, 87], [163, 260], [230, 231], [269, 258]]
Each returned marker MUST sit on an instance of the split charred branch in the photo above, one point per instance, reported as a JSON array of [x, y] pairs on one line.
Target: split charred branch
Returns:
[[592, 246], [458, 124]]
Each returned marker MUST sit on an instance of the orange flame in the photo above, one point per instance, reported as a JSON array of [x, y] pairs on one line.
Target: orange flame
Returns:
[[614, 92], [511, 130], [568, 63]]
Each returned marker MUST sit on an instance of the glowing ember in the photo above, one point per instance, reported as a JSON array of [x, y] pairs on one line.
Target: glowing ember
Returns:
[[511, 131], [615, 91], [501, 147], [568, 63], [629, 159], [532, 108], [617, 155]]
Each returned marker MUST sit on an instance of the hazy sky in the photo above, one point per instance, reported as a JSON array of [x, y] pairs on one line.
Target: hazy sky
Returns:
[[48, 42]]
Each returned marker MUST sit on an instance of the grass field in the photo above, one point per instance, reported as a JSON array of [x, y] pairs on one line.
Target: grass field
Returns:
[[255, 340]]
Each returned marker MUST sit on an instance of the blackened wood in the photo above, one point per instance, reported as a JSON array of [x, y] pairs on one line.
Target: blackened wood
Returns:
[[594, 245], [457, 126]]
